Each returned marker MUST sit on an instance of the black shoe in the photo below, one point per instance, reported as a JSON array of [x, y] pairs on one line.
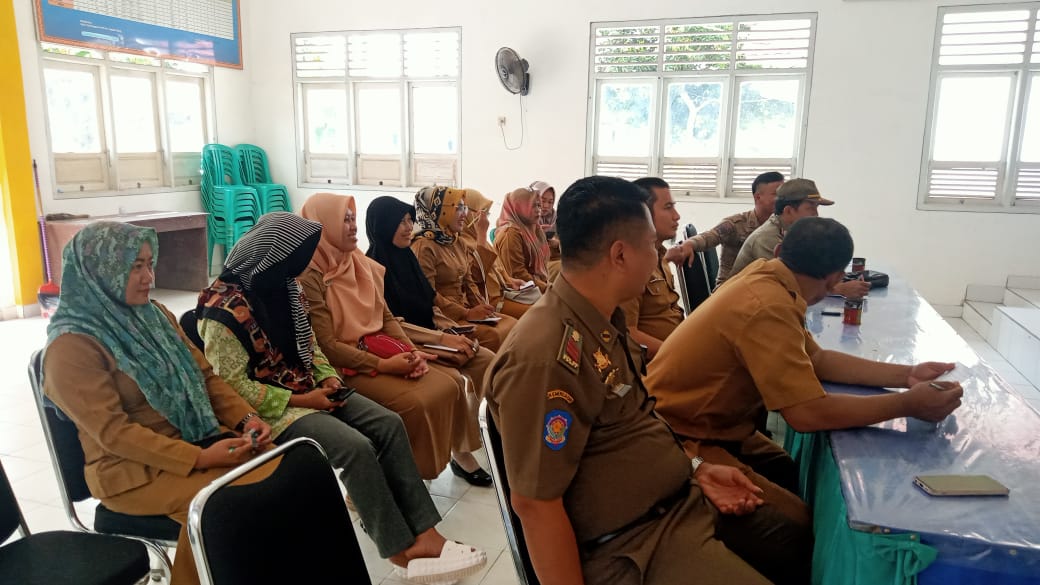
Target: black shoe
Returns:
[[479, 478]]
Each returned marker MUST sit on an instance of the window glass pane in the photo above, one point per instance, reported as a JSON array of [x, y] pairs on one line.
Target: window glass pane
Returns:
[[326, 120], [766, 119], [73, 111], [379, 120], [185, 114], [435, 120], [970, 118], [1031, 133], [133, 113], [694, 115], [624, 119]]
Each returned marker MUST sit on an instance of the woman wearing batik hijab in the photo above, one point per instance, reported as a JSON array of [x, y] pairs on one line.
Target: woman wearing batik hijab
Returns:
[[484, 270], [344, 290], [154, 420], [521, 245], [445, 260], [253, 320]]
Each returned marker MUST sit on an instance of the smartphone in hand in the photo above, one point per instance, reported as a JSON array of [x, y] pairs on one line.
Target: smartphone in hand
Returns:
[[342, 394]]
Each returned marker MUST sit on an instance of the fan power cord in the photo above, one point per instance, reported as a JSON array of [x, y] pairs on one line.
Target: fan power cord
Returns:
[[523, 128]]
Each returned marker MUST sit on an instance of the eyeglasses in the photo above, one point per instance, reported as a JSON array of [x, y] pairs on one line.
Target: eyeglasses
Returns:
[[461, 208]]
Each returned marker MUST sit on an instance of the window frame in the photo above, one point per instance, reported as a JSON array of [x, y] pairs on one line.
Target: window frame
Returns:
[[407, 160], [1009, 166], [727, 188], [103, 66]]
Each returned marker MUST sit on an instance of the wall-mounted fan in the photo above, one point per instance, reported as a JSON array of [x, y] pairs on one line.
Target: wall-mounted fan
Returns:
[[512, 71]]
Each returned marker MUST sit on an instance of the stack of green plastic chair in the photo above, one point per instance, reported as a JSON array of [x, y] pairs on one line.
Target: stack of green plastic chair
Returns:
[[233, 208], [252, 166]]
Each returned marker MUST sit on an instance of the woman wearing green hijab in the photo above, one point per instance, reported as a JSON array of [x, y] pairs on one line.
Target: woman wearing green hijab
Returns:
[[153, 419]]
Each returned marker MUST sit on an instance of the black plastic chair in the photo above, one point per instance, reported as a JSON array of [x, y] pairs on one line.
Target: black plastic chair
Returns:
[[190, 324], [156, 532], [298, 508], [697, 282], [63, 557], [514, 533]]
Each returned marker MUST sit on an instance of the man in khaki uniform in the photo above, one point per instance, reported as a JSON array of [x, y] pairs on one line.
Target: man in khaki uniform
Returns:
[[602, 488], [733, 230], [655, 313], [753, 353]]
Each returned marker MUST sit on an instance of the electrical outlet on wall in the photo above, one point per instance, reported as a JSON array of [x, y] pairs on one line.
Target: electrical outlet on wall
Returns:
[[501, 120]]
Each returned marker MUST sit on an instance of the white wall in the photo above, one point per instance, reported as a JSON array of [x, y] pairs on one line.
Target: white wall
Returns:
[[865, 132], [234, 123]]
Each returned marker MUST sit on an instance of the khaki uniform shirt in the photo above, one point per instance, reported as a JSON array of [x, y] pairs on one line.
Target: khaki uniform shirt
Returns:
[[730, 234], [760, 245], [574, 420], [514, 256], [447, 269], [656, 312], [126, 442], [746, 347]]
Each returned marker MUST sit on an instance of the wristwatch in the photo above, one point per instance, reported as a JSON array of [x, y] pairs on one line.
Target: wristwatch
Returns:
[[242, 423], [695, 463]]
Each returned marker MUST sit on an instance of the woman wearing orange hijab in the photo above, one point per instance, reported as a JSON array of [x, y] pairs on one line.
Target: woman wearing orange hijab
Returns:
[[354, 328], [523, 251]]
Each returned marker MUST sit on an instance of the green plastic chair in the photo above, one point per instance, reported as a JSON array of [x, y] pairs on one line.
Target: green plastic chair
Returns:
[[252, 165], [233, 208]]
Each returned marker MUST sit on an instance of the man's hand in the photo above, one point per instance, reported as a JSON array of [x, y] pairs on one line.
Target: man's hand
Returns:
[[680, 254], [852, 289], [728, 488], [926, 371], [926, 402]]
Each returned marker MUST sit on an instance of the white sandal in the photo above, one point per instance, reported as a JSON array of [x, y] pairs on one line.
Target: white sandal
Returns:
[[455, 562]]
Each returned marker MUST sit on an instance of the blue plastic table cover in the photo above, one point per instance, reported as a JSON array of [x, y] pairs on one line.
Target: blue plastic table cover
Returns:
[[995, 432]]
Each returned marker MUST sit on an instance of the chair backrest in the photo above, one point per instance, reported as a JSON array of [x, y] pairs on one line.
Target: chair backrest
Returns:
[[11, 518], [298, 507], [218, 166], [698, 281], [190, 324], [62, 440], [514, 532], [252, 164]]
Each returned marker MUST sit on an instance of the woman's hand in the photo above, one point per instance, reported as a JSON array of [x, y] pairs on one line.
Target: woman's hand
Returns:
[[317, 399], [465, 346], [421, 367], [401, 364], [263, 431], [226, 453], [516, 283], [479, 312]]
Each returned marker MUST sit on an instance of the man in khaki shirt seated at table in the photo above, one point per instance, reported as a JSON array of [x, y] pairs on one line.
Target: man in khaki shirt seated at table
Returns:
[[655, 313], [733, 230], [602, 487], [795, 199], [746, 349]]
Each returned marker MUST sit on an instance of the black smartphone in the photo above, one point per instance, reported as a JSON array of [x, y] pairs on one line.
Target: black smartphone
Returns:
[[342, 394], [253, 434], [461, 329]]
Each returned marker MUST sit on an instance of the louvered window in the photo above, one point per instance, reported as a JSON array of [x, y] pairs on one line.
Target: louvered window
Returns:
[[706, 104], [124, 123], [378, 107], [983, 147]]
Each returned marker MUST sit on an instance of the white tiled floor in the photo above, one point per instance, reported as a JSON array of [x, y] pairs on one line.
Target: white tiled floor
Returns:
[[470, 514]]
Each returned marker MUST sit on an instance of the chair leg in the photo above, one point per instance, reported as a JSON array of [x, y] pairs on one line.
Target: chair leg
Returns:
[[164, 568]]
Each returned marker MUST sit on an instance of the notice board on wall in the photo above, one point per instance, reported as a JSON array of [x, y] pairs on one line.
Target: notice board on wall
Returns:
[[205, 31]]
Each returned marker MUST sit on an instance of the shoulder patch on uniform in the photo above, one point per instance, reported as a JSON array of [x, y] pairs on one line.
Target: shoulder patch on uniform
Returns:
[[570, 349], [561, 394], [557, 424]]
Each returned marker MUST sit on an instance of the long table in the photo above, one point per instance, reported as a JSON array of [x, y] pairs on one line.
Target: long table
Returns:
[[181, 262], [872, 524]]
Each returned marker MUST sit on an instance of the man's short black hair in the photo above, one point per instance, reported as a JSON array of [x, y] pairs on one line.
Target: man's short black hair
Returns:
[[816, 247], [649, 184], [593, 213], [765, 179]]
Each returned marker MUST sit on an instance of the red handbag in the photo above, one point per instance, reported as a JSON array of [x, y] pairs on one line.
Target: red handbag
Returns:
[[382, 345]]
